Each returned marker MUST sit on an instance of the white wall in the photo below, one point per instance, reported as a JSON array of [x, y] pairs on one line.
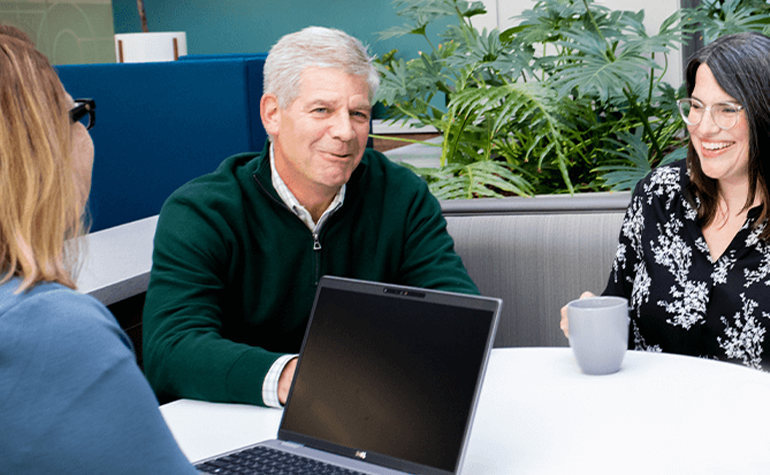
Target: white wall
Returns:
[[500, 12]]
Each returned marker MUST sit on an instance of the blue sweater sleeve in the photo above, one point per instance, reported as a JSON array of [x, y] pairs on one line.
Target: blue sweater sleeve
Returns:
[[72, 399]]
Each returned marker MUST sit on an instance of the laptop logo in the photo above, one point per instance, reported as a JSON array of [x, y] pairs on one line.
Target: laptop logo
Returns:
[[361, 454]]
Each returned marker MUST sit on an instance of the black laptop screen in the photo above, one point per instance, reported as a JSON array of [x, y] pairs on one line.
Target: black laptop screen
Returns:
[[390, 375]]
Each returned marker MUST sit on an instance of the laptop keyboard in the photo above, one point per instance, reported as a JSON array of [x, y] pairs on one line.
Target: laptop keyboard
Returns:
[[265, 460]]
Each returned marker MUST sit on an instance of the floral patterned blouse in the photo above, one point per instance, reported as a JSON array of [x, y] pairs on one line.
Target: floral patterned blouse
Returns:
[[680, 301]]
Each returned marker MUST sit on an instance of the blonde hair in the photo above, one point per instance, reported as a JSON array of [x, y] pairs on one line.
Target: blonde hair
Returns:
[[40, 205]]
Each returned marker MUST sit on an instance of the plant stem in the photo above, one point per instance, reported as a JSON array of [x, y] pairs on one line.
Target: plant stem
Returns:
[[450, 158], [627, 90], [425, 35], [469, 171], [596, 28], [645, 122], [142, 15]]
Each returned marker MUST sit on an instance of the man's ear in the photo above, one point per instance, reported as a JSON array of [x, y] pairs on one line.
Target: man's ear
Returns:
[[270, 112]]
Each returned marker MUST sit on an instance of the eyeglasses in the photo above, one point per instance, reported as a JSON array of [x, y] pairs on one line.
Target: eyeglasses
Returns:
[[724, 114], [84, 112]]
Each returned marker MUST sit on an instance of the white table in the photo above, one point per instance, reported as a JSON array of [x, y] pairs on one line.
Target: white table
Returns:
[[118, 261], [538, 414]]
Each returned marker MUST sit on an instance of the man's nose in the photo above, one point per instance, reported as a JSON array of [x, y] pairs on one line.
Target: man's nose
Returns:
[[342, 128]]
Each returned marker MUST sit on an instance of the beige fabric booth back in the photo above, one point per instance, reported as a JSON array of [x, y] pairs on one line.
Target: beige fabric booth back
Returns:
[[536, 254]]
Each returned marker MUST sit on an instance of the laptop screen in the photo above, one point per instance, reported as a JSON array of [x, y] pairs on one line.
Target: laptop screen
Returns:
[[390, 372]]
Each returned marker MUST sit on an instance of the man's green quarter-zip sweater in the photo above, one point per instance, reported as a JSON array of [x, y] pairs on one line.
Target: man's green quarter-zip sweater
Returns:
[[235, 270]]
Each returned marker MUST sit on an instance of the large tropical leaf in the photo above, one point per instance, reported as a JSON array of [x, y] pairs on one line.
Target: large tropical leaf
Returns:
[[423, 12], [531, 108], [732, 16], [544, 22], [487, 179], [633, 161], [594, 69]]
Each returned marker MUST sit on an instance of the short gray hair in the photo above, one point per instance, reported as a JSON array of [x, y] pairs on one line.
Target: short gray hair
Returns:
[[315, 47]]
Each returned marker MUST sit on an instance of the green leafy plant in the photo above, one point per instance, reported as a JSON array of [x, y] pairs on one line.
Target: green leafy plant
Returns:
[[734, 16], [571, 99]]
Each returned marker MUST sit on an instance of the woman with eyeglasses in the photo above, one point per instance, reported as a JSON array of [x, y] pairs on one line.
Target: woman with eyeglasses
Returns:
[[72, 399], [694, 253]]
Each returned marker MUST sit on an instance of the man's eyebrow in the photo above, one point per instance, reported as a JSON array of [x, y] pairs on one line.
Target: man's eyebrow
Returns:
[[362, 106], [334, 104], [321, 102]]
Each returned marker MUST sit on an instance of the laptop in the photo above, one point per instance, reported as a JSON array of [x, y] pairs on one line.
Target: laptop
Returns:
[[387, 381]]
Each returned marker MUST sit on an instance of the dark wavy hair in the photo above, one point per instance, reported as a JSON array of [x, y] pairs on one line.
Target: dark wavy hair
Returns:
[[740, 64]]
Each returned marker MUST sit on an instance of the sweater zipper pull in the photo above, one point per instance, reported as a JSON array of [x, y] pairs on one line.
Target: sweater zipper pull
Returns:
[[317, 249], [316, 242]]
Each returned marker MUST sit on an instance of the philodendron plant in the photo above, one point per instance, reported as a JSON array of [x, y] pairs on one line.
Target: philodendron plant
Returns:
[[570, 99]]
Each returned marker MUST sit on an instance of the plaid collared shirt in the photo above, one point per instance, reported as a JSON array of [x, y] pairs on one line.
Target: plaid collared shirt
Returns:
[[291, 201], [270, 385]]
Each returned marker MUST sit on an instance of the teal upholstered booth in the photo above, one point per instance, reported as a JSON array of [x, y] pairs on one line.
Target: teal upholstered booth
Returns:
[[159, 125]]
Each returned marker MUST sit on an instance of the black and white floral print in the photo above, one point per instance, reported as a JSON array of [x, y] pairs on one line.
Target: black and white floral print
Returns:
[[680, 300]]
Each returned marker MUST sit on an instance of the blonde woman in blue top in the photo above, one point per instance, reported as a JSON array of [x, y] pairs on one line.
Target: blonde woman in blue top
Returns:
[[72, 399]]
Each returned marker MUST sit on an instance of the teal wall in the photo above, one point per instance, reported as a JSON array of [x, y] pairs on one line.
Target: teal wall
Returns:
[[253, 26], [67, 31]]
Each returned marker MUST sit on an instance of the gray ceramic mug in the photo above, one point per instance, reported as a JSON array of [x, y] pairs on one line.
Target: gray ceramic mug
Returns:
[[598, 333]]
